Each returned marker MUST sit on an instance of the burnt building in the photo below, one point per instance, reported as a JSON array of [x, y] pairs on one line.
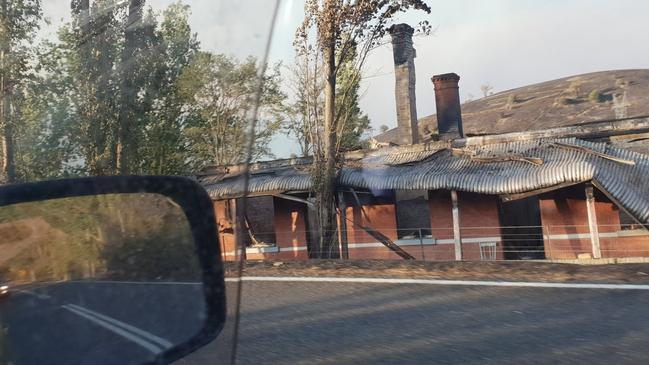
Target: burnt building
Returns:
[[563, 193]]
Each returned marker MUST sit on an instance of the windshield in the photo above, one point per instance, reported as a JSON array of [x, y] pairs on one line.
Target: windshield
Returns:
[[393, 181]]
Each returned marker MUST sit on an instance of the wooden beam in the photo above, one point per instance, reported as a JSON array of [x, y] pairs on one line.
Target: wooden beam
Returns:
[[630, 137], [592, 222], [536, 161], [293, 198], [249, 194], [456, 226], [510, 197], [593, 152]]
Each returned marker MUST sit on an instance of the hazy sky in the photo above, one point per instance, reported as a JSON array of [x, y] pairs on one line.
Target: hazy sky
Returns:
[[506, 43]]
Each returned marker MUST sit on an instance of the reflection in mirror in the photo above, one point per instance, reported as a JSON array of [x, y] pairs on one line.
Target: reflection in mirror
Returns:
[[97, 279]]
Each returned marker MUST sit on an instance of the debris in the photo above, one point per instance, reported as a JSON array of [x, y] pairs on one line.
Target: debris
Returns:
[[495, 158], [510, 157], [462, 152]]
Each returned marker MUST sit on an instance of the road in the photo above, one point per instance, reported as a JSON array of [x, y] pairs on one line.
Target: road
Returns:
[[97, 323], [360, 323], [332, 323]]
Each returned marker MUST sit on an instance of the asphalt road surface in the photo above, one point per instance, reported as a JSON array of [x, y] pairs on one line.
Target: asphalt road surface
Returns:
[[97, 323], [331, 323], [361, 323]]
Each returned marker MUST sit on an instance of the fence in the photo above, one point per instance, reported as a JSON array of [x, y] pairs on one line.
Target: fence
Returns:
[[440, 244]]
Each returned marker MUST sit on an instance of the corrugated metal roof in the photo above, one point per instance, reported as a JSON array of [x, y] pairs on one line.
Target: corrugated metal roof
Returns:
[[440, 169]]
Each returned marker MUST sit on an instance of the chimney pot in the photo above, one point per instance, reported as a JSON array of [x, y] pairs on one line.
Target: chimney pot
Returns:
[[447, 101]]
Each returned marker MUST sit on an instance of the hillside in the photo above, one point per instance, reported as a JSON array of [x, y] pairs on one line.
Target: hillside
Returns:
[[567, 101]]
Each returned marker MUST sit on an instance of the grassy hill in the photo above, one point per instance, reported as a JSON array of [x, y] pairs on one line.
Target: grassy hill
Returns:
[[567, 101]]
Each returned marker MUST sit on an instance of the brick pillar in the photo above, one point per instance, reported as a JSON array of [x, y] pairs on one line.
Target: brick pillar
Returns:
[[404, 72], [447, 102]]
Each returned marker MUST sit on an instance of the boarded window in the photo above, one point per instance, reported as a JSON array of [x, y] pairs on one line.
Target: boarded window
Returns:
[[627, 222], [413, 214], [260, 212]]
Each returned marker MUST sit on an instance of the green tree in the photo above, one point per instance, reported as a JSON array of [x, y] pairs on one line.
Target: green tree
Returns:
[[19, 21], [352, 121], [133, 74], [219, 93], [111, 79], [43, 149], [164, 149], [92, 44]]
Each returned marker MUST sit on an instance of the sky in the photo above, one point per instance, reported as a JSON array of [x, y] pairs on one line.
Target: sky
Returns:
[[505, 43]]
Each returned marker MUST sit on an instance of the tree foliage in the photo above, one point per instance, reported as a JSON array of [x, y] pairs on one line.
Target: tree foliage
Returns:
[[221, 92], [124, 90], [19, 21], [304, 117]]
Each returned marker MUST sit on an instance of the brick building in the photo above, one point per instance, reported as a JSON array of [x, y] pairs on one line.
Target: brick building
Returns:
[[561, 193]]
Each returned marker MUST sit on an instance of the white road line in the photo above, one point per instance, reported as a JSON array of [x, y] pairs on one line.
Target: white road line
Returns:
[[134, 282], [37, 295], [148, 336], [442, 282], [129, 336]]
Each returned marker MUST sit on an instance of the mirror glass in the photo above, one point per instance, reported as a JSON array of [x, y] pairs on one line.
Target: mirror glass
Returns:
[[106, 279]]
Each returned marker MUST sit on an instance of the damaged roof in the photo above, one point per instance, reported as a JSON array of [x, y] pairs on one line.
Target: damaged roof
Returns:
[[511, 167]]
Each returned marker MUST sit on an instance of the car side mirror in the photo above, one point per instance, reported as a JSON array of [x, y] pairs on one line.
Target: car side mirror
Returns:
[[108, 270]]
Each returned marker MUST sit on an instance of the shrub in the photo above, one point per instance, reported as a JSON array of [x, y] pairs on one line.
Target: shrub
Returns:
[[595, 96], [512, 99]]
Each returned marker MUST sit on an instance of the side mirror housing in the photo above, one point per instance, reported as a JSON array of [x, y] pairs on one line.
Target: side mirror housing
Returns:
[[108, 269]]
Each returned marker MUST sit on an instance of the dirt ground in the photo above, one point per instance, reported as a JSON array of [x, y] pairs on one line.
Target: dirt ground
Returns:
[[499, 270]]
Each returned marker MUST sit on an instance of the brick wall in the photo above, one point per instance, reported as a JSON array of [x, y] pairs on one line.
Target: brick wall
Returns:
[[225, 228], [564, 217], [381, 217], [290, 228], [478, 220], [441, 216]]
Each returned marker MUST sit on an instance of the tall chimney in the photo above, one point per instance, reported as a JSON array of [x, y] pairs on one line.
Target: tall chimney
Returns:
[[447, 100], [404, 91]]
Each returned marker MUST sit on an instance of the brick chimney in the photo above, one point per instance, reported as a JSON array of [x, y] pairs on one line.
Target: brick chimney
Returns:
[[447, 100], [404, 72]]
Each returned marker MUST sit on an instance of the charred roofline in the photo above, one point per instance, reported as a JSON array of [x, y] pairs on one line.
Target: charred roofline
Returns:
[[592, 130]]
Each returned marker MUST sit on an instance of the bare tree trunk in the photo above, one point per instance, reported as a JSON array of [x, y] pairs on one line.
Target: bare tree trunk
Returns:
[[6, 138], [328, 167], [8, 167]]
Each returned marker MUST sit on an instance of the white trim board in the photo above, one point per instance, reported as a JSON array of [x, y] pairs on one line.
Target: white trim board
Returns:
[[520, 284], [586, 236], [408, 242]]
